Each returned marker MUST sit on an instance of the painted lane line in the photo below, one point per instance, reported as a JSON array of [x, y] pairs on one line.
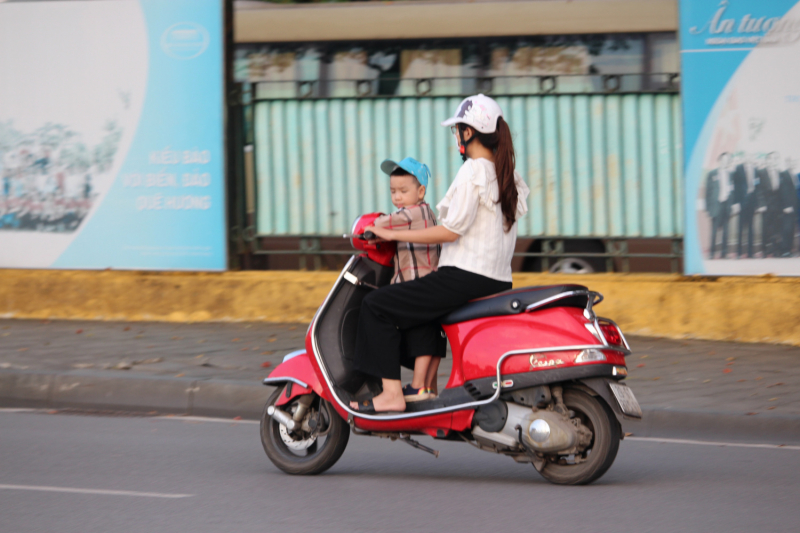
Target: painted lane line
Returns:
[[710, 443], [73, 490], [205, 419]]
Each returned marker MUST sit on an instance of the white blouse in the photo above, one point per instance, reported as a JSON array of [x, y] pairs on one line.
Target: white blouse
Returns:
[[471, 208]]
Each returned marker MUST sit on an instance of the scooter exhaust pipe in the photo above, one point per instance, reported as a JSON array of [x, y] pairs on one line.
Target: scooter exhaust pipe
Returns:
[[282, 417]]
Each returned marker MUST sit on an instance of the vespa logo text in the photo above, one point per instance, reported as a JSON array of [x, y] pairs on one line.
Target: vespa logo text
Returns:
[[536, 361]]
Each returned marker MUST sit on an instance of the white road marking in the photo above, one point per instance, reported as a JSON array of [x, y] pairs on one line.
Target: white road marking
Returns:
[[709, 443], [205, 419], [94, 491]]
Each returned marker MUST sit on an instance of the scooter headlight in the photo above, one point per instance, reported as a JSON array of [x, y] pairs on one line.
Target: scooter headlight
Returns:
[[589, 356]]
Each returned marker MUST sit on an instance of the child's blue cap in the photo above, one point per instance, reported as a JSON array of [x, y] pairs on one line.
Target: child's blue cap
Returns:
[[410, 165]]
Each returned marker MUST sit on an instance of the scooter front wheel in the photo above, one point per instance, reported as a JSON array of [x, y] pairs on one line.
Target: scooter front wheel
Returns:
[[596, 459], [311, 449]]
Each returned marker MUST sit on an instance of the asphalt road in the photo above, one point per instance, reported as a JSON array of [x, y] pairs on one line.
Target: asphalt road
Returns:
[[76, 473]]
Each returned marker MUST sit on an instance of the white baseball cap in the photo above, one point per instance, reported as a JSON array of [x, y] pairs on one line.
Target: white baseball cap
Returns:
[[479, 111]]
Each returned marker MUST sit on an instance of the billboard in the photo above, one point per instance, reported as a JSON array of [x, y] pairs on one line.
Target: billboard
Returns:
[[111, 135], [741, 106]]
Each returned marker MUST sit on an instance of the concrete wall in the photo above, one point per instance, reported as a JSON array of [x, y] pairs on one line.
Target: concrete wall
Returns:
[[449, 18], [760, 309]]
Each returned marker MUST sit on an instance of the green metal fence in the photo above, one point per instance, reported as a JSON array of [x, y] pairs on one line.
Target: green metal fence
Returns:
[[603, 165]]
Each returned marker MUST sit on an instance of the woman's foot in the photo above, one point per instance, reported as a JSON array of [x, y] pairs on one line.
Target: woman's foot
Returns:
[[390, 400], [410, 394]]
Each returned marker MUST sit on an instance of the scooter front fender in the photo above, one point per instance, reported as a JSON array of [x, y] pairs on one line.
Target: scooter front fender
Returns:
[[297, 369]]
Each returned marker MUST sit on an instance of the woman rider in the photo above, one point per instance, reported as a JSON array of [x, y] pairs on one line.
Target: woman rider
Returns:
[[478, 232]]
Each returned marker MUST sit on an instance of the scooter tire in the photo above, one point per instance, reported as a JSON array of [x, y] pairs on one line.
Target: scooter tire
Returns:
[[605, 442], [320, 459]]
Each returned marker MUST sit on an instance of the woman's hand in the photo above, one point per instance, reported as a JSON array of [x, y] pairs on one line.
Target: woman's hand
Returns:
[[383, 234]]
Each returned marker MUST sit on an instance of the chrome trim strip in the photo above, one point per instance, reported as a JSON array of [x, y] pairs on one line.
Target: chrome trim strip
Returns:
[[293, 354], [277, 381]]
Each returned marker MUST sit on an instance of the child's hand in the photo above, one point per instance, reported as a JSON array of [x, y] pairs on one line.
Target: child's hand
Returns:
[[383, 233]]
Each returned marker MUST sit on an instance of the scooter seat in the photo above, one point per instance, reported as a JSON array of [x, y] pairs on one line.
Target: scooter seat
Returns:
[[516, 301]]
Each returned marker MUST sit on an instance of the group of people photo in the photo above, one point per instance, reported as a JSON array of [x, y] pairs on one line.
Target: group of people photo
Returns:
[[753, 206], [39, 195], [48, 176]]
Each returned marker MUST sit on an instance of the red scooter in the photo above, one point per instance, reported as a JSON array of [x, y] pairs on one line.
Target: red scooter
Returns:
[[536, 376]]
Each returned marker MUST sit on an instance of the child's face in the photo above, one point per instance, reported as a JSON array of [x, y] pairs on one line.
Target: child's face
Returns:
[[405, 191]]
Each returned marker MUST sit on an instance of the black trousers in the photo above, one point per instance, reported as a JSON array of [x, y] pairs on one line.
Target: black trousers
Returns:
[[720, 222], [390, 311], [746, 225]]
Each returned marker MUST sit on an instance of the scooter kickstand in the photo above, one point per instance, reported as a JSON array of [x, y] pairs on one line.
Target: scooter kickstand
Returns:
[[411, 442]]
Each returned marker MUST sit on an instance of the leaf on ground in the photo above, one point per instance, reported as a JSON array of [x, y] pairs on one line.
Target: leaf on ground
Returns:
[[235, 340], [712, 352], [778, 384], [126, 328], [177, 338], [78, 331], [199, 356], [266, 364], [640, 365], [237, 417], [268, 352], [730, 359], [255, 348], [751, 413], [656, 379], [292, 328], [180, 375], [759, 378], [245, 349], [5, 334], [706, 381], [83, 365], [770, 408], [728, 364], [22, 350], [740, 380], [772, 400], [727, 371], [201, 341], [272, 340], [643, 357]]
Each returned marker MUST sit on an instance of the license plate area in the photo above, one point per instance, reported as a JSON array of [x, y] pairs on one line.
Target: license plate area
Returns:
[[626, 400]]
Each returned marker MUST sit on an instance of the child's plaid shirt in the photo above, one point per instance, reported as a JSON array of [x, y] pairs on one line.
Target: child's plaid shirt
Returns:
[[412, 261]]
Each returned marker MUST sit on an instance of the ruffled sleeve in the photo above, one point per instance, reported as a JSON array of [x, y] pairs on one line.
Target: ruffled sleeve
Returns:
[[459, 207]]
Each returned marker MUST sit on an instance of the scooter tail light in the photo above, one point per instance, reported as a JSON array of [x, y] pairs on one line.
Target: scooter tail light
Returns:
[[611, 333], [589, 356]]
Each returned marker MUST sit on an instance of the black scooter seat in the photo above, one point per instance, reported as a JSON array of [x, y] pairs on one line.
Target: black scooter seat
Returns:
[[515, 301]]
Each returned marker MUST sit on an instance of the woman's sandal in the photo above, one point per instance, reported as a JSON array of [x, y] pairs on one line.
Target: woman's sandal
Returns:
[[366, 407]]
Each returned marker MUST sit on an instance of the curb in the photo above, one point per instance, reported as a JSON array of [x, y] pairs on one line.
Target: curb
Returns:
[[245, 399]]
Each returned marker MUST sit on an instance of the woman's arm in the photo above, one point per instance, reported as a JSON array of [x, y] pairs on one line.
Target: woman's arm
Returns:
[[432, 235]]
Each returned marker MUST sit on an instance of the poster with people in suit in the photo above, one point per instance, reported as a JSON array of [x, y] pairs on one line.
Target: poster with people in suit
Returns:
[[741, 110]]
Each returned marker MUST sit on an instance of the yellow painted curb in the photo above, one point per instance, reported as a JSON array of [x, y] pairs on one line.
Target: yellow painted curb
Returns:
[[751, 309]]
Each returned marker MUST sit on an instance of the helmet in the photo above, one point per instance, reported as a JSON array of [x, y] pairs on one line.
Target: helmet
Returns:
[[479, 111]]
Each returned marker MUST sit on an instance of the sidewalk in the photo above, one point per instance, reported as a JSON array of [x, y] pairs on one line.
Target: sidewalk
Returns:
[[215, 369]]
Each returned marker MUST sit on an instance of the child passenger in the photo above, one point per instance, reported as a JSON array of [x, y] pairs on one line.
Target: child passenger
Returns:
[[421, 350]]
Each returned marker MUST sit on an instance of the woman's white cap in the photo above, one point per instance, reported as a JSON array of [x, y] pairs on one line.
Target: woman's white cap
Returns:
[[479, 111]]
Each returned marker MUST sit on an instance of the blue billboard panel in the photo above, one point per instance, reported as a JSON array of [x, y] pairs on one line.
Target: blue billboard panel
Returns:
[[741, 106], [111, 135]]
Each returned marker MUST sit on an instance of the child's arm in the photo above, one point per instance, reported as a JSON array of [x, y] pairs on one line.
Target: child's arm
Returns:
[[399, 220]]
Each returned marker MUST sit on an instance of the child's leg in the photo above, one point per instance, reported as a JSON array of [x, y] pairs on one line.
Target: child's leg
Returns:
[[431, 375], [421, 364]]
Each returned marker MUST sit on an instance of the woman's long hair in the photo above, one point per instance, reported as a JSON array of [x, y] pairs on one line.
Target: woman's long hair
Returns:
[[501, 144]]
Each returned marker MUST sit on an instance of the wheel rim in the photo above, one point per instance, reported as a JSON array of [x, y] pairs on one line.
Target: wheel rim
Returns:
[[571, 265], [302, 444]]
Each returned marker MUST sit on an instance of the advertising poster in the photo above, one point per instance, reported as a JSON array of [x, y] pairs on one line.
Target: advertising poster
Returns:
[[111, 135], [741, 96]]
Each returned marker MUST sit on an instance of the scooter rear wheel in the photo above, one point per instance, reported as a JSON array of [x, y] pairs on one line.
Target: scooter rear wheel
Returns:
[[599, 455], [304, 453]]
